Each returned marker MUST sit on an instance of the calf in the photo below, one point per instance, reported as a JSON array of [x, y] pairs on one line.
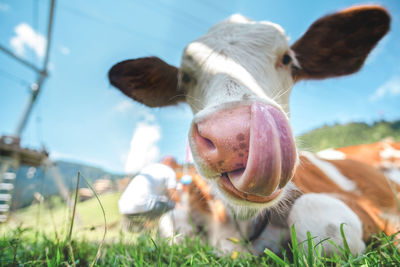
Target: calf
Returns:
[[237, 79]]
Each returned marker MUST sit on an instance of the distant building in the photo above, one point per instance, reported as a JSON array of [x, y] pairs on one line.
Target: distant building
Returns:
[[103, 185], [122, 184], [85, 194]]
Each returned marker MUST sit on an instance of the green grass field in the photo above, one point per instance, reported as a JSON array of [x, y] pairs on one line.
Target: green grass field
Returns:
[[38, 236]]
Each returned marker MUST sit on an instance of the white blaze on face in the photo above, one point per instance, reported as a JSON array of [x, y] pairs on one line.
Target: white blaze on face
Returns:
[[235, 61], [238, 63]]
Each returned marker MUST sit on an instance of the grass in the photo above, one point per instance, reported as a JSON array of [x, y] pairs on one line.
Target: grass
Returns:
[[20, 247], [42, 235], [55, 218]]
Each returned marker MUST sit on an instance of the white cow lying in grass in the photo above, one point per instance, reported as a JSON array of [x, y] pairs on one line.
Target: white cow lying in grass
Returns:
[[237, 79]]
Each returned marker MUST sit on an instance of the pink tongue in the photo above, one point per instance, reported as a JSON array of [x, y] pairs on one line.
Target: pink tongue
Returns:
[[263, 170], [234, 175]]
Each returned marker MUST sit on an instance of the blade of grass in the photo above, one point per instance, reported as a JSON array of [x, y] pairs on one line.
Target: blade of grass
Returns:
[[171, 256], [345, 244], [74, 208], [310, 256], [58, 256], [275, 257], [322, 241], [47, 259], [105, 221], [71, 251], [295, 247]]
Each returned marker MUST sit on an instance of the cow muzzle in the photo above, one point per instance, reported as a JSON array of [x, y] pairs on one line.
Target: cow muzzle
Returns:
[[250, 146]]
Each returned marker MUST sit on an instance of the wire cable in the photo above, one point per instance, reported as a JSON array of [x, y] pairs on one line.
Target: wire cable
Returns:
[[177, 13], [14, 78], [119, 26]]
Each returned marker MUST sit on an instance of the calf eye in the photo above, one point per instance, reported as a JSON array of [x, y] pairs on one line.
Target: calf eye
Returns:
[[286, 59], [186, 78]]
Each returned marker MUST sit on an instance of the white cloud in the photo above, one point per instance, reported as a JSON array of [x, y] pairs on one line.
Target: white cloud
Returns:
[[65, 50], [131, 108], [124, 106], [4, 7], [26, 37], [390, 87], [144, 149]]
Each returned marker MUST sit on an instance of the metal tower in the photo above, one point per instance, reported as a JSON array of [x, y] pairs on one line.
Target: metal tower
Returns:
[[12, 155]]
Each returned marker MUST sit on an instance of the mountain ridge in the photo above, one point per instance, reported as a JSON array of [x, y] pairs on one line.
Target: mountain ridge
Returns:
[[349, 134]]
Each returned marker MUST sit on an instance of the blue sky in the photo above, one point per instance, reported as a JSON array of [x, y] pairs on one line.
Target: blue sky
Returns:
[[79, 116]]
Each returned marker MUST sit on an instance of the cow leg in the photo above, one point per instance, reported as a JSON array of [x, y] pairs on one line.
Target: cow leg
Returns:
[[175, 224], [323, 215]]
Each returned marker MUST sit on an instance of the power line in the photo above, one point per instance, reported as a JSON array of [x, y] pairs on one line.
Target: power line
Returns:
[[35, 15], [20, 59], [119, 26], [187, 17], [217, 7], [42, 75], [14, 78]]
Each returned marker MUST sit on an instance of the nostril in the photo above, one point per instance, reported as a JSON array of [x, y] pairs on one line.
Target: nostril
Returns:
[[209, 143], [204, 141]]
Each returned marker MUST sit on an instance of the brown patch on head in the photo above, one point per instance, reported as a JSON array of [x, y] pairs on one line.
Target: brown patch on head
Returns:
[[338, 44], [148, 80]]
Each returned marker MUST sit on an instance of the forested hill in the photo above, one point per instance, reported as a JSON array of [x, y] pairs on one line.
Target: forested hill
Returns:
[[43, 181], [348, 134]]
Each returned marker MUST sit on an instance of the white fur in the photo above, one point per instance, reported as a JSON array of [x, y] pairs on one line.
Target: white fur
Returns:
[[239, 54], [223, 235], [389, 152], [322, 215], [178, 223], [175, 224], [332, 172], [235, 63], [393, 174], [331, 154]]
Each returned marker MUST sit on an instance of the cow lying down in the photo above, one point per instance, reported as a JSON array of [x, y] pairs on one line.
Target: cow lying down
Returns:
[[374, 205], [237, 79]]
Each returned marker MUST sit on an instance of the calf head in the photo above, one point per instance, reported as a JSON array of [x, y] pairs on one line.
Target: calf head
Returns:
[[237, 79]]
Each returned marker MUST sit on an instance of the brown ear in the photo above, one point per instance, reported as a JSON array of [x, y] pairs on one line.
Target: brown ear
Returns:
[[338, 44], [148, 80]]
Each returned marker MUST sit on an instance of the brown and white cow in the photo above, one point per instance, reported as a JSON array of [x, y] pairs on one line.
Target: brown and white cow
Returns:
[[383, 155], [237, 79]]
